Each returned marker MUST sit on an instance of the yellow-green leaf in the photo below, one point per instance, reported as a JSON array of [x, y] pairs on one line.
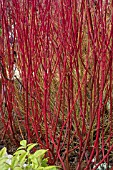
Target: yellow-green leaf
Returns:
[[23, 143]]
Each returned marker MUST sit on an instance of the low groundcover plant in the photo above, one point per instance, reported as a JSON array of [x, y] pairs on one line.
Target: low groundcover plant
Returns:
[[23, 159]]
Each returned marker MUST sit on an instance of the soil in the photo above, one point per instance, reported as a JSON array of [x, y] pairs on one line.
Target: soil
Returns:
[[5, 141]]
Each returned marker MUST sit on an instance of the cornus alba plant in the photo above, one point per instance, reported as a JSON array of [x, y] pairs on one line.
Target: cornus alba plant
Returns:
[[65, 63]]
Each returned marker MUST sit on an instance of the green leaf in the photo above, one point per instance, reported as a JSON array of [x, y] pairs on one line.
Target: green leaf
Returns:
[[21, 147], [44, 162], [3, 152], [34, 160], [14, 161], [31, 146], [19, 152], [50, 168], [18, 168], [40, 152], [4, 166], [22, 159], [40, 168], [3, 160], [34, 166], [23, 143]]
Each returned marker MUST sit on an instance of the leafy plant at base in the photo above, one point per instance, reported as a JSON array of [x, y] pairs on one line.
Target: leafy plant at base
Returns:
[[22, 159]]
